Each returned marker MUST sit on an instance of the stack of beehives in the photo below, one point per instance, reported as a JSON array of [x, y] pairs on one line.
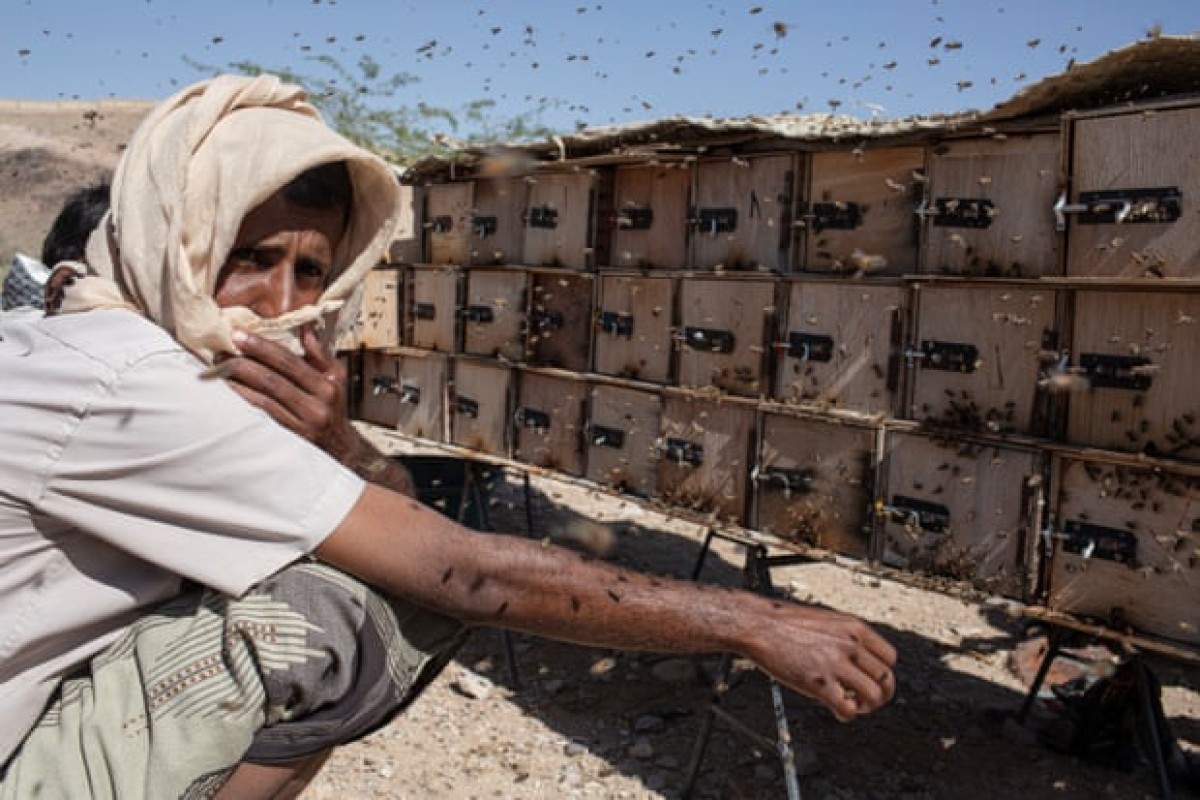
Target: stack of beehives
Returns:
[[960, 347]]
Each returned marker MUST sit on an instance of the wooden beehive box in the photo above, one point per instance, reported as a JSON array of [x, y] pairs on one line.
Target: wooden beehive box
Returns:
[[1135, 179], [650, 213], [842, 346], [497, 232], [621, 438], [1138, 352], [989, 207], [1126, 548], [493, 313], [977, 355], [859, 215], [548, 421], [404, 390], [725, 328], [704, 456], [432, 307], [558, 220], [378, 321], [407, 242], [743, 213], [559, 321], [961, 510], [447, 223], [480, 404], [633, 327], [814, 483]]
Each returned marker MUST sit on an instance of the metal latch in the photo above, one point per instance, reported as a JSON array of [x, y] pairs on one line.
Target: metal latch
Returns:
[[947, 356], [483, 227], [542, 217], [787, 480], [682, 452], [833, 216], [927, 516], [601, 436], [424, 310], [959, 212], [1118, 372], [466, 406], [480, 314], [441, 224], [709, 339], [410, 393], [616, 323], [1096, 541], [1119, 206], [532, 418], [716, 220], [544, 320], [382, 384], [635, 218], [808, 346]]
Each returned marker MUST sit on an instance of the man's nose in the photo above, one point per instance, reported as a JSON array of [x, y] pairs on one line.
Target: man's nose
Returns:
[[281, 292]]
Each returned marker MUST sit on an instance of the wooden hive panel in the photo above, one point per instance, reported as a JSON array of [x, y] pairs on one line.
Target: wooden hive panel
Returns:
[[558, 220], [814, 482], [548, 422], [633, 327], [1138, 350], [725, 328], [379, 394], [448, 223], [621, 439], [497, 233], [479, 406], [704, 459], [859, 217], [377, 323], [407, 240], [423, 377], [989, 208], [432, 307], [743, 213], [494, 313], [842, 346], [651, 209], [977, 357], [560, 320], [961, 510], [1152, 159], [1127, 548]]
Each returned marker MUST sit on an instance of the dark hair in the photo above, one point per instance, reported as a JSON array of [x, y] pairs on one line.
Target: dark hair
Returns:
[[323, 187], [79, 216]]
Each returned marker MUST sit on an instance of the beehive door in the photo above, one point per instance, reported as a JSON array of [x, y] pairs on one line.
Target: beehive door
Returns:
[[859, 218], [448, 223], [379, 398], [548, 422], [557, 220], [497, 233], [633, 327], [1138, 351], [977, 357], [989, 208], [650, 207], [422, 380], [1144, 166], [560, 320], [433, 307], [725, 328], [704, 458], [961, 510], [479, 406], [494, 313], [742, 216], [620, 438], [814, 482], [1126, 549], [377, 324], [842, 346]]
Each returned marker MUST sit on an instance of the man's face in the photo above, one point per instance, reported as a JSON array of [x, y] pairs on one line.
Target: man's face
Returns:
[[281, 258]]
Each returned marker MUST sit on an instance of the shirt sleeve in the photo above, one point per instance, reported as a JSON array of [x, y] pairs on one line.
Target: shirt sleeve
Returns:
[[186, 475]]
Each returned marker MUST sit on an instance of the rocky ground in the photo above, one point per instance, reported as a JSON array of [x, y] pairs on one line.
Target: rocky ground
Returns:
[[569, 722]]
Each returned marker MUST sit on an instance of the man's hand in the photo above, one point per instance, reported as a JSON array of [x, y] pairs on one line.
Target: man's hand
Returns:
[[307, 395]]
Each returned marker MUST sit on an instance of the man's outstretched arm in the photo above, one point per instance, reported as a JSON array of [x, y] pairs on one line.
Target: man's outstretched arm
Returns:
[[409, 550]]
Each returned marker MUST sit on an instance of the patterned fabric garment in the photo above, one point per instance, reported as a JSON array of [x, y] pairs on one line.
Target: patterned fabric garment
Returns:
[[25, 284], [308, 659]]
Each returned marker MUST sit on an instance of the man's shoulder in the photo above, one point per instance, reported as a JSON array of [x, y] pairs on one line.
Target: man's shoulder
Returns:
[[117, 338]]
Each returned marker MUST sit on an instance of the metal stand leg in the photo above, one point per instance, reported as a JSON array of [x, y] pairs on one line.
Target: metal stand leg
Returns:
[[1150, 719], [1053, 647]]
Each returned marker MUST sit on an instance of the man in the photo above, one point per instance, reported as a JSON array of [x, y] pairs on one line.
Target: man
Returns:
[[199, 602]]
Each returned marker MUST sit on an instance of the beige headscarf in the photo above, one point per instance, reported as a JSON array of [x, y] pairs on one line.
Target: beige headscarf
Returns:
[[196, 166]]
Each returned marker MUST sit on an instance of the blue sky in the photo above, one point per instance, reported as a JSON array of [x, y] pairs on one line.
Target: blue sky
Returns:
[[597, 62]]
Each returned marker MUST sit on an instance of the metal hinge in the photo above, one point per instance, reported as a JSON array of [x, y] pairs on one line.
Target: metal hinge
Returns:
[[483, 227], [1096, 541], [787, 480], [708, 339], [542, 217], [682, 452], [634, 218], [616, 323], [715, 220], [1119, 206], [542, 320], [601, 436], [532, 418], [930, 517], [441, 224], [807, 346], [466, 406], [481, 314]]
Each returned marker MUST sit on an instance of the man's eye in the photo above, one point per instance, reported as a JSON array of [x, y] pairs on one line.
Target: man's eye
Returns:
[[247, 256], [310, 269]]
